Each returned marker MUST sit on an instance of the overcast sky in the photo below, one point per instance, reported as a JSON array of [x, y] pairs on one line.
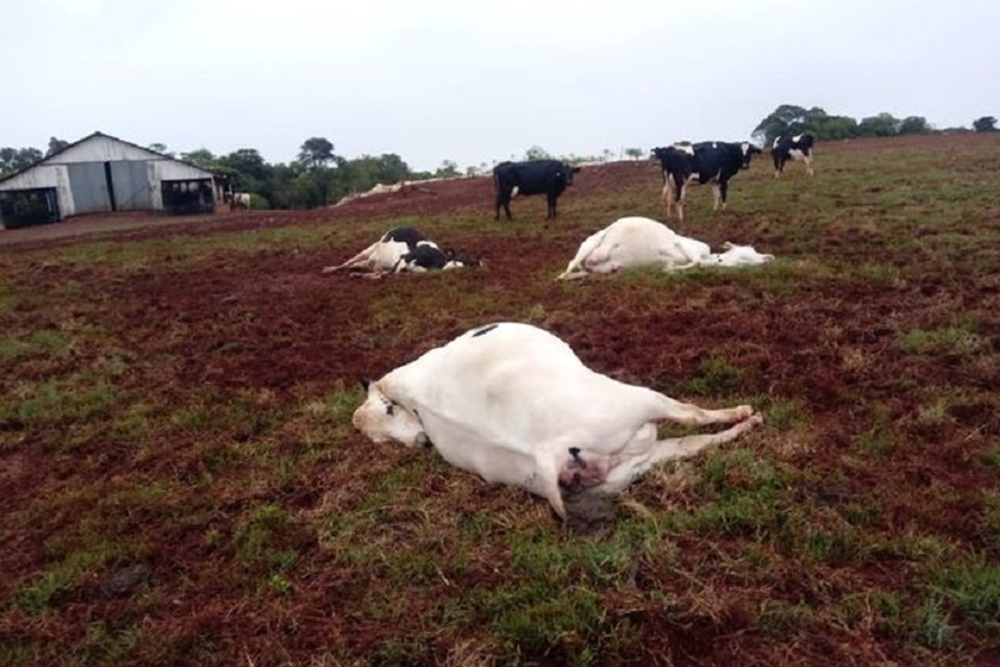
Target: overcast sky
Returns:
[[480, 81]]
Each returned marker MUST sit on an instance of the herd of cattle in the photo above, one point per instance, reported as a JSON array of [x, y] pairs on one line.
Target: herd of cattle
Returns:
[[512, 402]]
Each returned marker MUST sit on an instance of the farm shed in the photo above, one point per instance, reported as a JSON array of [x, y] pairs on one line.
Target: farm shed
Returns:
[[101, 173]]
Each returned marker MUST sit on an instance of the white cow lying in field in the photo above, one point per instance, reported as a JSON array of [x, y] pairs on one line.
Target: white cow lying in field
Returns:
[[513, 404], [636, 242], [402, 249]]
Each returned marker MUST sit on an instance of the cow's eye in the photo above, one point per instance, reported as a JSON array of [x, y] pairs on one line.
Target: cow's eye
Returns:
[[388, 409]]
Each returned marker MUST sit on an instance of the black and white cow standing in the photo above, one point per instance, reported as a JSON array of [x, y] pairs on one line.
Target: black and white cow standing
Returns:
[[712, 162], [798, 148], [402, 249], [536, 177], [515, 405]]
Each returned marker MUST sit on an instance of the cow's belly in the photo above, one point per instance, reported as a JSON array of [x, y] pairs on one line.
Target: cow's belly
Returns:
[[466, 448], [636, 255], [797, 154], [386, 255]]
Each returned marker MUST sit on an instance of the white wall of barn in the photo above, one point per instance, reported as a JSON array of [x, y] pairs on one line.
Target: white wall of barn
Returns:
[[99, 149], [45, 176], [103, 149]]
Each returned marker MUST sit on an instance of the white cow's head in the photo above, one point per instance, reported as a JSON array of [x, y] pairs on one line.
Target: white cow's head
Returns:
[[737, 255], [383, 420]]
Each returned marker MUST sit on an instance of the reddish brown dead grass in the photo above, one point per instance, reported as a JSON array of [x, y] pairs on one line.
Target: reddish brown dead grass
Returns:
[[267, 329]]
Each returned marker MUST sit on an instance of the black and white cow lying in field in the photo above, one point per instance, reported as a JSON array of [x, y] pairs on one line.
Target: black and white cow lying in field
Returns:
[[513, 404], [712, 162], [536, 177], [402, 249], [636, 242], [798, 148]]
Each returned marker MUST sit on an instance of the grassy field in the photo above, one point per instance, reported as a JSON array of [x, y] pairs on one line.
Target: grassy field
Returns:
[[181, 483]]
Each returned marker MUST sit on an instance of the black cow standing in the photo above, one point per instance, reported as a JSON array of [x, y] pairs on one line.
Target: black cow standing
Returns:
[[537, 177], [712, 162], [798, 148]]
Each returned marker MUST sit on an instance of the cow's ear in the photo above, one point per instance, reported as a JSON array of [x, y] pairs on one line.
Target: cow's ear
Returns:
[[364, 383]]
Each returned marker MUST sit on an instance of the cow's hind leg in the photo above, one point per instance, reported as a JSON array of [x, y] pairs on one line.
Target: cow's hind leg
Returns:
[[551, 213], [360, 259], [680, 191], [690, 414], [624, 472], [667, 197]]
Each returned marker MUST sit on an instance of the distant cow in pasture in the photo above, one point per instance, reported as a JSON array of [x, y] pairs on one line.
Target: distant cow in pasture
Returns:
[[798, 148], [712, 162], [239, 200], [402, 249], [513, 404], [636, 242], [537, 177]]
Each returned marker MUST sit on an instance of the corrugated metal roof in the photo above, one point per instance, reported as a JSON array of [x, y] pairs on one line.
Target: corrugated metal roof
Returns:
[[94, 135]]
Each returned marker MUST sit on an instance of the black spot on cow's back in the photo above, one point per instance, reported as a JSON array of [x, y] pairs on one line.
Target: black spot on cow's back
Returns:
[[484, 330]]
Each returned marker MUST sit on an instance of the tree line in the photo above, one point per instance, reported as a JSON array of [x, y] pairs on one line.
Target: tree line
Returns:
[[318, 176], [789, 119]]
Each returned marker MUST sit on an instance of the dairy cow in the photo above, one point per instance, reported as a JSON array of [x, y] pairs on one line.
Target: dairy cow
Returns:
[[798, 148], [402, 249], [536, 177], [239, 200], [636, 242], [714, 162], [513, 404]]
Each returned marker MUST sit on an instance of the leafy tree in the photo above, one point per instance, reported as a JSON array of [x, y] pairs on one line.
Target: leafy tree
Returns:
[[313, 187], [316, 152], [536, 153], [882, 125], [56, 145], [392, 168], [16, 159], [201, 157], [448, 169], [915, 125], [786, 119], [634, 153], [835, 127], [246, 168], [160, 148], [985, 124]]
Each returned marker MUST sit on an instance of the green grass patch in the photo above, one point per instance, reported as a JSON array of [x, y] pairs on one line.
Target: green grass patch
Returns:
[[959, 340]]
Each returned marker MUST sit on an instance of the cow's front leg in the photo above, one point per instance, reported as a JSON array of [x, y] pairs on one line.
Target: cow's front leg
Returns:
[[723, 192]]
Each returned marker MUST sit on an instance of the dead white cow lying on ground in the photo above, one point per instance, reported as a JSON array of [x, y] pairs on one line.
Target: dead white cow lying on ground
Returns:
[[639, 242], [402, 249], [513, 404]]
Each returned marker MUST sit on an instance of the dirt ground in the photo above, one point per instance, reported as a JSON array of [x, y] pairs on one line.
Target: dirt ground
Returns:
[[273, 323], [448, 196]]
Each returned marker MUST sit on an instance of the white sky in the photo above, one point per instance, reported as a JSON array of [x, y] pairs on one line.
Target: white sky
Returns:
[[480, 81]]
